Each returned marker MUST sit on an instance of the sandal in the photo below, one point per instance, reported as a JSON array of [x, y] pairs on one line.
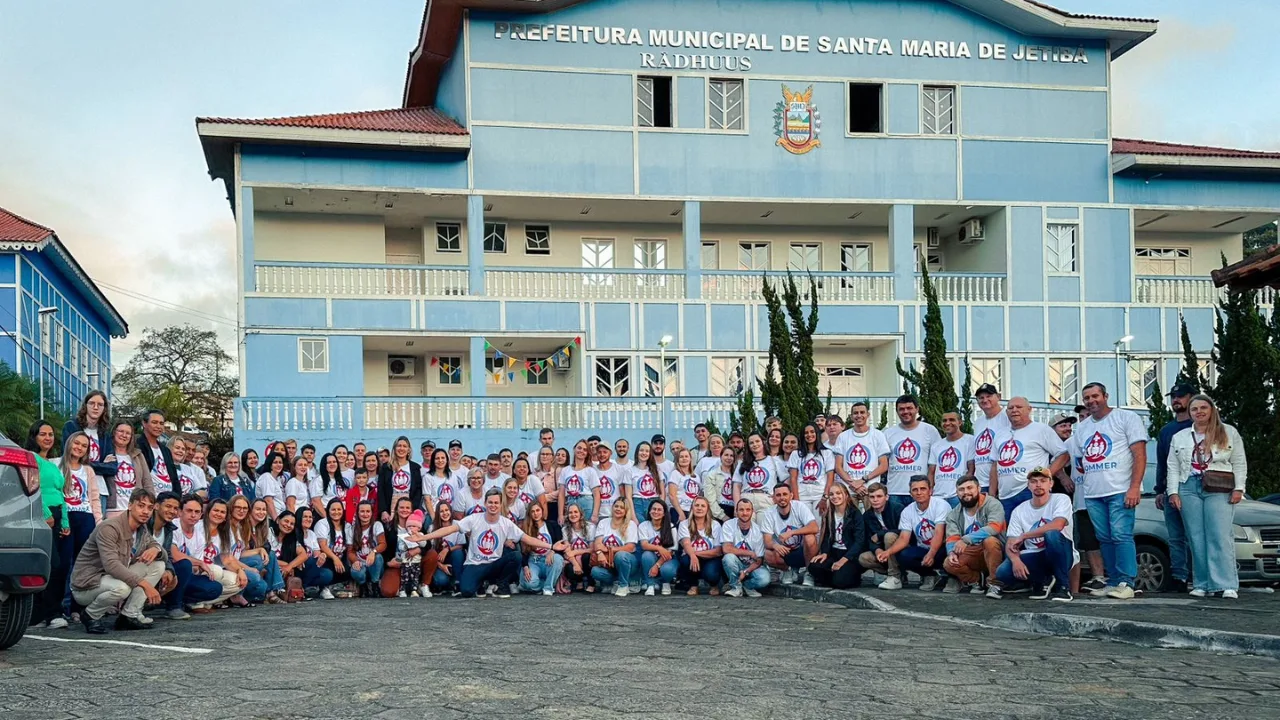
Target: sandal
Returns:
[[714, 591], [238, 601], [692, 591]]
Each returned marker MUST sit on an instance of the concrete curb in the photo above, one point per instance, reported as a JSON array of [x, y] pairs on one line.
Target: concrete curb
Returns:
[[851, 599]]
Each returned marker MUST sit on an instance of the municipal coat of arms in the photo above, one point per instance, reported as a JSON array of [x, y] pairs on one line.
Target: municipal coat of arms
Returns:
[[796, 121]]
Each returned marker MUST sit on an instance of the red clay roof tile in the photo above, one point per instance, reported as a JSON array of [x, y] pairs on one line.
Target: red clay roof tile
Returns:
[[427, 121], [1126, 146], [14, 228]]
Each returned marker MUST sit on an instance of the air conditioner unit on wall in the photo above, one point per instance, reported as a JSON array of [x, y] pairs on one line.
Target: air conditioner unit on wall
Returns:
[[933, 239], [559, 362], [972, 231], [402, 366]]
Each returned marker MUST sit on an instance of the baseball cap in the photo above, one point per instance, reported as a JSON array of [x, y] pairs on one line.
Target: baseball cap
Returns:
[[455, 444], [1063, 418], [426, 444], [1042, 471], [659, 438], [1181, 390], [986, 389]]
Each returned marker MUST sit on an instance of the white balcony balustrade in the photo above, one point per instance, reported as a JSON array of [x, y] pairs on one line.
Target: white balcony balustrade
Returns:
[[965, 287], [584, 284], [1174, 290], [321, 279], [746, 286]]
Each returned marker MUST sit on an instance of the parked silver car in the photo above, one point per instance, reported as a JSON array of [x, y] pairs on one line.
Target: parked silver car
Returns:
[[25, 541]]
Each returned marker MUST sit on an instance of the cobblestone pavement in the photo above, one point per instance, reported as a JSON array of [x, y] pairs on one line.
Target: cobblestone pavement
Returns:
[[603, 657]]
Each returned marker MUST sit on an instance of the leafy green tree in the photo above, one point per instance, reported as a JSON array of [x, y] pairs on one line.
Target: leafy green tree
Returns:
[[801, 397], [781, 357], [20, 405], [744, 419], [1259, 238], [884, 417], [712, 427], [1158, 411], [966, 399], [934, 381], [1190, 372], [1245, 353], [183, 371]]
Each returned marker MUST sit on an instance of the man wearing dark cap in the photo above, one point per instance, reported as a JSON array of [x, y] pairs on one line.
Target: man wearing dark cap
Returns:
[[659, 443], [1180, 401], [427, 448], [986, 426]]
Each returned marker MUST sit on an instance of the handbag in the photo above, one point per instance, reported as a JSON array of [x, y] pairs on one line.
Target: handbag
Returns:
[[293, 590], [389, 585], [1218, 481]]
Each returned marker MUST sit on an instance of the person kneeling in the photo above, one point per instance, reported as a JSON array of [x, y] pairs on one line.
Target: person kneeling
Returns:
[[843, 540], [1039, 549], [120, 562], [743, 546], [975, 545], [790, 535]]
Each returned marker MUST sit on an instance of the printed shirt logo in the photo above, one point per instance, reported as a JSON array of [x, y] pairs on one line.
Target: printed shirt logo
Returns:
[[796, 121], [700, 543], [1037, 543], [446, 492], [1010, 453], [726, 492], [1200, 458], [949, 460], [612, 540], [126, 477], [579, 543], [339, 542], [475, 510], [743, 545], [757, 477], [794, 540], [400, 481], [75, 495], [210, 553], [95, 451], [573, 486], [525, 497], [162, 471], [692, 488], [1098, 448], [185, 481], [488, 543], [647, 487], [858, 457], [925, 529], [810, 469], [906, 452], [544, 538], [973, 527], [982, 444], [839, 532], [606, 488]]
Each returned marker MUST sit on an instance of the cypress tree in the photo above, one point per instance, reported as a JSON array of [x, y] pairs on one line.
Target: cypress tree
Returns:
[[1159, 413], [966, 399], [1190, 372], [800, 398], [747, 421], [1245, 355], [781, 360], [935, 382]]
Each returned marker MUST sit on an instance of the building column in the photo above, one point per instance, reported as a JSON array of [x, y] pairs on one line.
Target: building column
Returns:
[[902, 239], [246, 238], [693, 250], [475, 244], [479, 379]]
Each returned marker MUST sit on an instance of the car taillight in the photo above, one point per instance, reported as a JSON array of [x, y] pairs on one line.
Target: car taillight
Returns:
[[25, 463]]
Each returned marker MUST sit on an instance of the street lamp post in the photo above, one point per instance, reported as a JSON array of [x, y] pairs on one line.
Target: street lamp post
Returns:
[[1121, 387], [45, 313], [663, 342]]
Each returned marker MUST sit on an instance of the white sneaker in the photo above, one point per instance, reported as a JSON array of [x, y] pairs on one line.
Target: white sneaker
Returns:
[[1121, 592], [1197, 593], [515, 589], [402, 594], [491, 591], [752, 593], [609, 588], [788, 576], [57, 623], [891, 583], [634, 588], [666, 588], [808, 581], [648, 592], [424, 591], [325, 594], [929, 583], [734, 592], [622, 591], [548, 591], [1230, 595]]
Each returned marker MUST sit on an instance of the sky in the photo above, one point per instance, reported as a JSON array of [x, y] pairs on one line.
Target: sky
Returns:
[[98, 101]]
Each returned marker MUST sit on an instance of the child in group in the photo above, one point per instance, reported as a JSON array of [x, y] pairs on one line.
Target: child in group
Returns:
[[358, 494], [409, 553]]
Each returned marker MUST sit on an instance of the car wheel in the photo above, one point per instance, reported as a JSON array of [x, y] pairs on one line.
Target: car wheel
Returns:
[[15, 613], [1153, 569]]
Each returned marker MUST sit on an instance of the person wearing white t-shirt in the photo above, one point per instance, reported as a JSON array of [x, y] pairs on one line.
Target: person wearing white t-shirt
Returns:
[[950, 459], [743, 544], [790, 535], [758, 474], [494, 477], [861, 452], [614, 549], [657, 537], [911, 443], [683, 486], [489, 560], [991, 421], [1026, 445], [701, 556], [1039, 550], [366, 541], [579, 485], [647, 480], [1112, 444], [270, 485], [611, 478], [812, 467], [658, 444], [1072, 481], [922, 526], [296, 494]]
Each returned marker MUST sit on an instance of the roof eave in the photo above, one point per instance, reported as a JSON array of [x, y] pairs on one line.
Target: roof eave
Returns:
[[1133, 161], [1256, 271]]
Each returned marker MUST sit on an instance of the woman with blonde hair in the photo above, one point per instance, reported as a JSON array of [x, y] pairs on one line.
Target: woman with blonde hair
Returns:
[[699, 539], [615, 548], [128, 469], [1207, 470]]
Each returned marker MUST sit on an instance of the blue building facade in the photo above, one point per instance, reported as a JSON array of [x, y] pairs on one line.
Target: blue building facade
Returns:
[[568, 221], [69, 349]]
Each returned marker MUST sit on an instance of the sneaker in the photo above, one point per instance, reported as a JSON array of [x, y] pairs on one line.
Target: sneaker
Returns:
[[929, 583], [491, 591], [326, 594], [635, 588], [515, 589], [424, 591], [58, 623], [808, 581], [177, 614], [666, 588], [1197, 593], [503, 592], [124, 622], [622, 591], [548, 591], [1096, 586], [1043, 593], [788, 576], [1230, 595], [404, 594], [890, 583], [977, 589], [752, 593], [648, 592], [994, 592], [1121, 592], [145, 620], [953, 587], [413, 593], [94, 627], [734, 592], [1062, 595]]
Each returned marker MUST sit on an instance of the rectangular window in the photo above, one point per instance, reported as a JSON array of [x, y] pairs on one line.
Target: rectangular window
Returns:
[[1060, 247], [724, 104], [449, 237], [450, 369], [1064, 381], [933, 256], [753, 256], [75, 357], [938, 110], [710, 255], [842, 380], [313, 355], [1162, 261], [597, 253], [46, 336], [537, 239], [1142, 381], [984, 371], [727, 376], [538, 374], [653, 101], [865, 108], [613, 376], [495, 237], [495, 371], [651, 254], [670, 380], [60, 342], [805, 256], [855, 257]]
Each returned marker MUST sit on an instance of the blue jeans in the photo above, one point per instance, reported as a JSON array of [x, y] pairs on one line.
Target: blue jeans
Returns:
[[1113, 524], [912, 558], [191, 588], [709, 571], [666, 574], [502, 571], [1055, 561], [1208, 518], [368, 573], [1179, 554], [453, 560], [256, 589], [268, 570], [544, 572], [81, 525], [624, 564], [315, 576], [733, 567], [1015, 501]]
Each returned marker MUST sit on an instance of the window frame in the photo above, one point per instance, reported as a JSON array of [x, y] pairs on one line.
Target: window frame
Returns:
[[846, 267], [670, 83], [724, 370], [537, 227], [1062, 399], [724, 125], [714, 247], [982, 375], [952, 111], [756, 244], [1136, 379], [1054, 267], [638, 245], [484, 242], [457, 227], [620, 386], [535, 377], [492, 377], [848, 107], [808, 248], [649, 385], [304, 356], [444, 378], [1181, 254]]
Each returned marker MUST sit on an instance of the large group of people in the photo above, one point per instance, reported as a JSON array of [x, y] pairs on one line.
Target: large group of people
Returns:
[[141, 521]]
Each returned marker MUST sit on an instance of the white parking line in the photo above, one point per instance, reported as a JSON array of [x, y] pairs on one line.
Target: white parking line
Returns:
[[171, 648]]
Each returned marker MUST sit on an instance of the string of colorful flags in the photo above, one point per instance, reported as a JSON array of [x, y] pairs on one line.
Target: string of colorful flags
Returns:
[[510, 365]]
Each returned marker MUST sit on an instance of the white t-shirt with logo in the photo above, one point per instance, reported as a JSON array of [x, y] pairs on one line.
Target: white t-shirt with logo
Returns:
[[324, 531], [464, 503], [126, 480], [441, 490], [703, 542], [1019, 451], [909, 454], [762, 477], [1104, 449], [192, 545], [985, 431], [193, 478], [95, 447], [545, 536], [579, 541], [811, 472], [161, 472], [296, 489], [643, 483], [611, 538], [486, 540], [578, 483], [368, 539], [772, 522], [610, 483], [495, 482], [269, 487], [924, 524], [752, 540], [648, 533], [75, 492], [1027, 517], [531, 490], [705, 464], [401, 481], [950, 459], [861, 452], [688, 488]]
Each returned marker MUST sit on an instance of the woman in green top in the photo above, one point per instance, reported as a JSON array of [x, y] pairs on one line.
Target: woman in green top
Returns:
[[48, 609]]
